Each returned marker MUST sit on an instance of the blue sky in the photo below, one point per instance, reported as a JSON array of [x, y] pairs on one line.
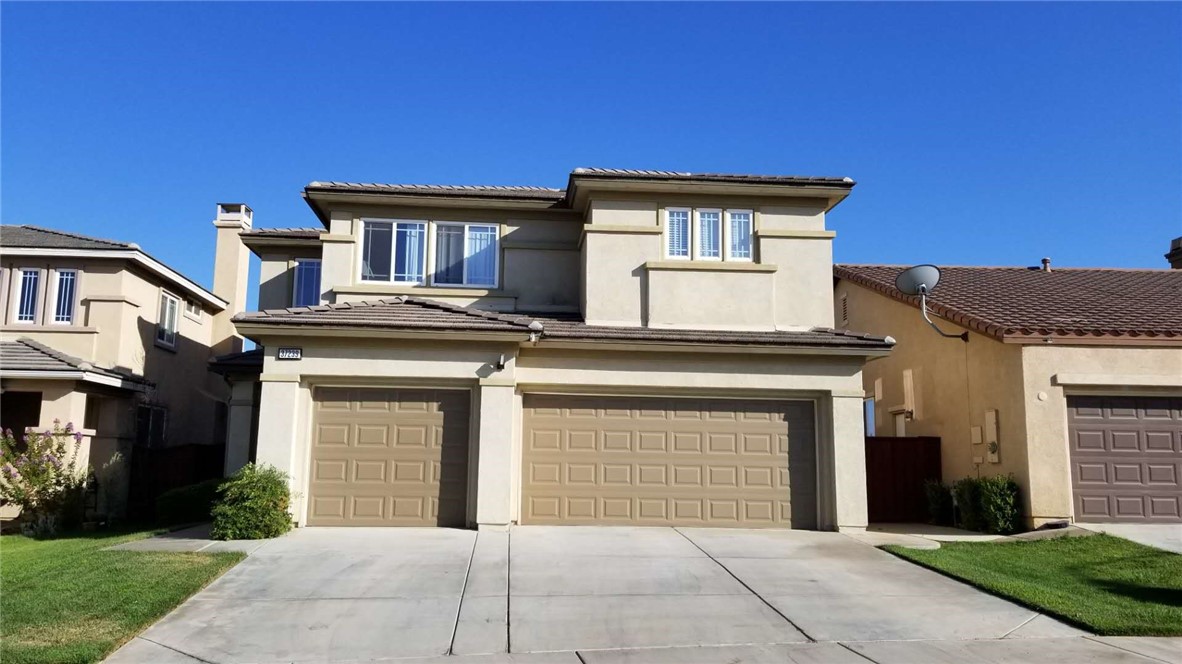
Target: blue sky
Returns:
[[979, 133]]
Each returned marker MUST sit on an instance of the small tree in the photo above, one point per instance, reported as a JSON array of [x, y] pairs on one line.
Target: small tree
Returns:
[[42, 476]]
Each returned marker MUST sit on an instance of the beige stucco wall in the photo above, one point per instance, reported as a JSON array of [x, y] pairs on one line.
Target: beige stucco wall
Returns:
[[678, 297], [954, 383], [277, 274], [834, 383], [1086, 370]]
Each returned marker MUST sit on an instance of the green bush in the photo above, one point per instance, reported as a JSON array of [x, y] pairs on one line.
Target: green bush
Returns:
[[939, 503], [252, 505], [966, 495], [188, 504], [988, 504], [998, 497]]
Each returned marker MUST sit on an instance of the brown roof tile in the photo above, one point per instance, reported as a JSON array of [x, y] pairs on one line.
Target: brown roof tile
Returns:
[[413, 313], [301, 233], [640, 174], [36, 237], [1064, 302], [24, 354]]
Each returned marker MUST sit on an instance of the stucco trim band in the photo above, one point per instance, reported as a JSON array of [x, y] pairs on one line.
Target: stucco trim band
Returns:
[[1115, 380], [625, 230], [279, 378], [708, 266], [796, 234]]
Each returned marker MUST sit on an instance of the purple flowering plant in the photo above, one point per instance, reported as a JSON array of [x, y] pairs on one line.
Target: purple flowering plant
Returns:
[[41, 476]]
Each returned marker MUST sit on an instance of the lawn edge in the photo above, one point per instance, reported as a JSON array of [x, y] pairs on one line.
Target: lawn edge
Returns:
[[241, 556], [896, 550]]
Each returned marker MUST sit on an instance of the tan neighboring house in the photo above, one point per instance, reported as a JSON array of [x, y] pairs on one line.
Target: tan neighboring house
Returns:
[[1071, 380], [101, 334], [641, 348]]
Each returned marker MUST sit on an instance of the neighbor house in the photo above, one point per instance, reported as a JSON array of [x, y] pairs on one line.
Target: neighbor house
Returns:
[[100, 334], [1071, 380], [641, 348]]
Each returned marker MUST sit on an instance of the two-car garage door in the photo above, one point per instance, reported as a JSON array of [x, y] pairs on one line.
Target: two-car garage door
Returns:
[[399, 457], [663, 462]]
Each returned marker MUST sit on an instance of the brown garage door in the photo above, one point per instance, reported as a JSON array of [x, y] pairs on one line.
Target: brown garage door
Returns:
[[661, 462], [389, 457], [1126, 458]]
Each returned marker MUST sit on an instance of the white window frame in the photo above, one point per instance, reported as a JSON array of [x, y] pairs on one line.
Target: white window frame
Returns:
[[176, 320], [19, 288], [361, 246], [696, 236], [689, 233], [295, 282], [55, 289], [726, 236], [432, 243], [189, 307]]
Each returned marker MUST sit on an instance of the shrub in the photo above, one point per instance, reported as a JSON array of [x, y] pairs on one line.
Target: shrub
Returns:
[[188, 504], [939, 498], [252, 505], [999, 509], [966, 497], [112, 484], [988, 504], [42, 477]]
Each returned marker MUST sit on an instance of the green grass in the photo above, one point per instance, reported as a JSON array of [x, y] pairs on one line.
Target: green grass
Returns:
[[66, 600], [1104, 584]]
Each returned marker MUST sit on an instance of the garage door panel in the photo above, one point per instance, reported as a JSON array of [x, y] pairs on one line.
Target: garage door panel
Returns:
[[1126, 458], [384, 457], [667, 461]]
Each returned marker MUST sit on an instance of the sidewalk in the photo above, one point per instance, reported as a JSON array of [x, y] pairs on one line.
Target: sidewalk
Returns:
[[189, 540]]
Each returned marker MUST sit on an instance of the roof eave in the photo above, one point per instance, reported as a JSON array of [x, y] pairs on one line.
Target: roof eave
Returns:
[[712, 347], [316, 198], [256, 330], [581, 185]]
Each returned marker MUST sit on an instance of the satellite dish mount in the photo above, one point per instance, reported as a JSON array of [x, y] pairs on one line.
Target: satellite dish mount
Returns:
[[919, 281]]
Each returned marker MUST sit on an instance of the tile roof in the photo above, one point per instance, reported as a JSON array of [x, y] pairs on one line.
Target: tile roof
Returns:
[[634, 174], [413, 313], [477, 191], [248, 361], [1064, 302], [311, 233], [44, 238], [24, 354]]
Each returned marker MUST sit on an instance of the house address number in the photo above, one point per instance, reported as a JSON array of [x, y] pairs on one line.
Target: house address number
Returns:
[[290, 353]]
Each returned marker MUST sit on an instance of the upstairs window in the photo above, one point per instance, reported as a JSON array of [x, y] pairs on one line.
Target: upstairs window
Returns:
[[166, 321], [306, 289], [708, 234], [26, 311], [193, 310], [465, 255], [67, 288], [458, 254], [393, 252]]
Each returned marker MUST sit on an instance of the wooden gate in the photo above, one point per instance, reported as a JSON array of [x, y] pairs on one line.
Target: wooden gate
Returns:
[[896, 469]]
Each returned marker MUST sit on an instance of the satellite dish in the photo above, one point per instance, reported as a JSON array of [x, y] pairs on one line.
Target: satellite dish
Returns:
[[918, 280], [921, 280]]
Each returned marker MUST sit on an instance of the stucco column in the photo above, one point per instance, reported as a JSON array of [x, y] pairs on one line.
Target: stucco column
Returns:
[[494, 478], [849, 462], [239, 417], [279, 440]]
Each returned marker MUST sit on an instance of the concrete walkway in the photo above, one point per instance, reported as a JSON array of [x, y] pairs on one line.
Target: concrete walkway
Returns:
[[189, 540], [539, 594], [1166, 536]]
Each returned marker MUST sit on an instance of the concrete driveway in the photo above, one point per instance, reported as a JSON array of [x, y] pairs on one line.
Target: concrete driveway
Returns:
[[1166, 536], [612, 594]]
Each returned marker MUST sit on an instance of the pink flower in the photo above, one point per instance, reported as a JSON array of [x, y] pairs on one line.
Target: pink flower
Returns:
[[78, 436], [69, 427]]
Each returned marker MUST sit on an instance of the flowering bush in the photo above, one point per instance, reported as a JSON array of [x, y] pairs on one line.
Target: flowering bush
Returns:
[[41, 476]]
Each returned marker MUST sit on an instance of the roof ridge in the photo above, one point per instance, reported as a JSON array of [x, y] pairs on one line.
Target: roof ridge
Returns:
[[1028, 268], [76, 236]]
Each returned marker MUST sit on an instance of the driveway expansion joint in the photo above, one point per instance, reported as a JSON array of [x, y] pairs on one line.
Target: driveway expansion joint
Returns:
[[178, 651], [463, 589], [742, 583]]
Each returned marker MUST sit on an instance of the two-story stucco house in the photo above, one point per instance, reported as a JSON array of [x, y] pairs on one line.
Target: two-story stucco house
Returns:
[[101, 334], [643, 348]]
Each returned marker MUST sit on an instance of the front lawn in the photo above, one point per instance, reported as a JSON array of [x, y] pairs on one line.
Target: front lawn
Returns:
[[66, 600], [1104, 584]]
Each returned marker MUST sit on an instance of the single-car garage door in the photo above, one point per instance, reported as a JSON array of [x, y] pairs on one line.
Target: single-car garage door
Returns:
[[662, 462], [1126, 458], [389, 457]]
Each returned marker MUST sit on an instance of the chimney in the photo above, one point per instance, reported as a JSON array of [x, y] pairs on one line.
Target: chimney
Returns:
[[1046, 265], [1175, 255], [231, 270]]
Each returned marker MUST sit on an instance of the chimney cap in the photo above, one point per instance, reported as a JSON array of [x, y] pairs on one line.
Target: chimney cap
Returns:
[[1046, 264]]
